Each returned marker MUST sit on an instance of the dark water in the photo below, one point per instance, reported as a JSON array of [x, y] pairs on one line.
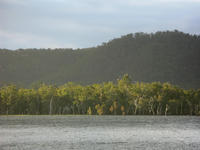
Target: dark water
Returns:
[[99, 132]]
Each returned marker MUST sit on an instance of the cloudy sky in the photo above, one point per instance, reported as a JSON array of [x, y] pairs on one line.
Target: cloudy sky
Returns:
[[86, 23]]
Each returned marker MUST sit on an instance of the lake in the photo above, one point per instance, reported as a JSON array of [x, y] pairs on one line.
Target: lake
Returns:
[[99, 132]]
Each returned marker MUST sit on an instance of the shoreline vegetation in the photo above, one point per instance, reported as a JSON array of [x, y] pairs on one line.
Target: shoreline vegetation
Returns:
[[121, 98]]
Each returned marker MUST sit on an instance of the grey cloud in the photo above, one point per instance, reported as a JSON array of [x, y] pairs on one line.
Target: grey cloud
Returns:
[[78, 23]]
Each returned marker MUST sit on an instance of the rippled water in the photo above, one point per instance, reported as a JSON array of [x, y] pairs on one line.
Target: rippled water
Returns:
[[99, 132]]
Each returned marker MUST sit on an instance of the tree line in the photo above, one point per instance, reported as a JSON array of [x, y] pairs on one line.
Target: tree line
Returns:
[[109, 98], [168, 56]]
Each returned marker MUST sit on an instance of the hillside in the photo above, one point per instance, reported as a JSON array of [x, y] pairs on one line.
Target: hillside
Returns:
[[170, 56]]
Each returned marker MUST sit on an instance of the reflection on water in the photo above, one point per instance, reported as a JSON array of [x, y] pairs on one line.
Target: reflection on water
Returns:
[[99, 132]]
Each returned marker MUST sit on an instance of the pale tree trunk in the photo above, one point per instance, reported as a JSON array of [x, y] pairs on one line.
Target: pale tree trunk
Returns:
[[166, 109], [151, 103], [51, 106], [152, 109], [135, 110], [136, 106], [158, 110]]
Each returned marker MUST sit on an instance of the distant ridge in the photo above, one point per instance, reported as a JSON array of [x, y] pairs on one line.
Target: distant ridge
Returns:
[[170, 56]]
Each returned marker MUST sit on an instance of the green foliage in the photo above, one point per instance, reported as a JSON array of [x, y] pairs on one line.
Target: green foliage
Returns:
[[89, 111], [120, 98], [170, 56]]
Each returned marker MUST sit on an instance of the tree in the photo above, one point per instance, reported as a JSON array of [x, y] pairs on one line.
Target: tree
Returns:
[[89, 112], [8, 97]]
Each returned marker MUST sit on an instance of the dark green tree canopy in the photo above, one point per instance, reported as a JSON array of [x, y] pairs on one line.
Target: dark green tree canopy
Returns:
[[170, 56]]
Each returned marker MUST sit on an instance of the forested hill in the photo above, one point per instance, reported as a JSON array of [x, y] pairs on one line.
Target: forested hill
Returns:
[[170, 56]]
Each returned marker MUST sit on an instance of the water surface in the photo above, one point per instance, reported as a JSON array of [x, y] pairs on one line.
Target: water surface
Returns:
[[99, 132]]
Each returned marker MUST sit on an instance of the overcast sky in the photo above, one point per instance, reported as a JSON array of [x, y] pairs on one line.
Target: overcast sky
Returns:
[[86, 23]]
